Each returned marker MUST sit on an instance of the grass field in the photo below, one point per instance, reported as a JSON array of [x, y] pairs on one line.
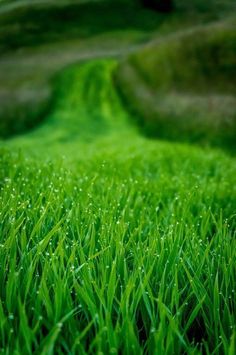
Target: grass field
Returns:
[[112, 243]]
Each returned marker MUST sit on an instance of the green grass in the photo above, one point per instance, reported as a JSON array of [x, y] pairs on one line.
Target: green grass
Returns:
[[111, 242]]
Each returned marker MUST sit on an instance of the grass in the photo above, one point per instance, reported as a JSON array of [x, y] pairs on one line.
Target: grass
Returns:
[[109, 254], [121, 244], [110, 242]]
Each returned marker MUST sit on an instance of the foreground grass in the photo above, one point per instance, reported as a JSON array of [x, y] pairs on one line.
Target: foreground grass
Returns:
[[121, 244]]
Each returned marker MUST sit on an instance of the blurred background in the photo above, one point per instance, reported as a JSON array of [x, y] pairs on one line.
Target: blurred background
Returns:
[[175, 65]]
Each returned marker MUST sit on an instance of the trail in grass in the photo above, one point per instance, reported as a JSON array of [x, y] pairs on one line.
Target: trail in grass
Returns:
[[87, 114], [88, 120], [88, 123], [111, 237]]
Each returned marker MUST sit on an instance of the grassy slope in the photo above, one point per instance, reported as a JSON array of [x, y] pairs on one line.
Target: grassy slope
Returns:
[[121, 243], [183, 87], [110, 242], [37, 32]]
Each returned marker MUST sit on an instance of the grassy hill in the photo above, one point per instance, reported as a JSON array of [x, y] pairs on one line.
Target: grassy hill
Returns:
[[110, 242], [182, 87]]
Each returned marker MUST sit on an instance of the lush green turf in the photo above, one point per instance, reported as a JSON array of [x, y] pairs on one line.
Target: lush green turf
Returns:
[[111, 243]]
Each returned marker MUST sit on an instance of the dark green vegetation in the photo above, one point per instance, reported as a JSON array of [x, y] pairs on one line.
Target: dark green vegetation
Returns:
[[192, 94], [29, 108], [159, 5], [51, 23], [109, 242]]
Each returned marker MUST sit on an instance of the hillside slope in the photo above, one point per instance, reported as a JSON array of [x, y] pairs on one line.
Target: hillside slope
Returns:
[[183, 87]]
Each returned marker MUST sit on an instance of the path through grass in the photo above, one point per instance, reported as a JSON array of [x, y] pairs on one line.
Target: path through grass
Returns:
[[111, 242]]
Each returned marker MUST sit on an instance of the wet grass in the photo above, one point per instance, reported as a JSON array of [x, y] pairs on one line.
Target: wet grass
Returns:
[[109, 242], [121, 245]]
